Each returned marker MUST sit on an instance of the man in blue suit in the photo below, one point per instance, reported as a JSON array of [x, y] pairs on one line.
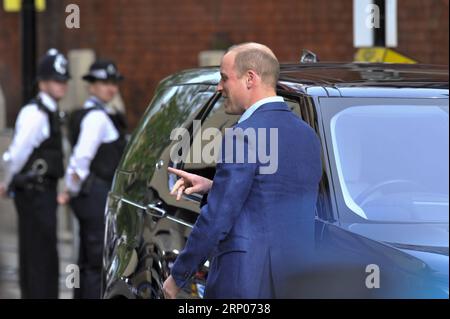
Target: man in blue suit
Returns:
[[258, 224]]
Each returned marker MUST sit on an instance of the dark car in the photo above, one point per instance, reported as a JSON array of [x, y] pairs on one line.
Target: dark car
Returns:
[[382, 211]]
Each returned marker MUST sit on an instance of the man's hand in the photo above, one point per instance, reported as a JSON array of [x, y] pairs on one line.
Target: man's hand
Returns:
[[170, 288], [189, 183], [63, 198], [3, 191]]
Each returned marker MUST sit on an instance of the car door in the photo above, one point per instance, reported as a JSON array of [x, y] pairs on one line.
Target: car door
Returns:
[[136, 232]]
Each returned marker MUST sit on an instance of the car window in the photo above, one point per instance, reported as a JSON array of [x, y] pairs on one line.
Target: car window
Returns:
[[294, 106], [391, 158], [196, 160], [171, 108]]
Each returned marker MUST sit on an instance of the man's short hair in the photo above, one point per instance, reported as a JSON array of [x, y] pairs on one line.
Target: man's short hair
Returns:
[[259, 58]]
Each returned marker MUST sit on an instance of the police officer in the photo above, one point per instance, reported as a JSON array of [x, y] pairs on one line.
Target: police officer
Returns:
[[97, 134], [33, 164]]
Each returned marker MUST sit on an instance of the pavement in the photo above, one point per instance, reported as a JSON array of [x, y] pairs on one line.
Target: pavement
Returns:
[[9, 278]]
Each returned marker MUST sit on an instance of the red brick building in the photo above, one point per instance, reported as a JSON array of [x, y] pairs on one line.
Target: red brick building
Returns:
[[153, 38]]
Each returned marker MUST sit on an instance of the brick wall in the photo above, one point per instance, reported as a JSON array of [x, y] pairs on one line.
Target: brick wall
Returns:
[[150, 39], [10, 79], [423, 30]]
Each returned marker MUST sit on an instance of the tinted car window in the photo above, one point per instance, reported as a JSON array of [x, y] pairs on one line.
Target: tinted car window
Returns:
[[171, 108], [391, 159], [215, 119]]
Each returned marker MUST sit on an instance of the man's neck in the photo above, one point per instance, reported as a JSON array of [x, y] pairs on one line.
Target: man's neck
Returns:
[[258, 97]]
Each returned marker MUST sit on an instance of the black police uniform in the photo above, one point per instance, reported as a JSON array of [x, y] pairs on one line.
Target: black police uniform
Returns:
[[35, 191], [89, 204]]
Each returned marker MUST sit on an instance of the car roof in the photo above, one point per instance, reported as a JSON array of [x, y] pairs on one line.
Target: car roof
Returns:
[[343, 79]]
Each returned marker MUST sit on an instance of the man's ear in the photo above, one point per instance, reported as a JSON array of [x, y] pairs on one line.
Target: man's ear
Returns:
[[251, 78]]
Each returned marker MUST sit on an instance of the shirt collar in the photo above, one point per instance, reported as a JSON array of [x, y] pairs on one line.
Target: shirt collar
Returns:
[[48, 101], [93, 101], [248, 112]]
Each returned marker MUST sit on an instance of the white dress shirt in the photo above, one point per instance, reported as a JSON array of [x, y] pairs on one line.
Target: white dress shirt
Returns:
[[96, 128], [248, 112], [31, 129]]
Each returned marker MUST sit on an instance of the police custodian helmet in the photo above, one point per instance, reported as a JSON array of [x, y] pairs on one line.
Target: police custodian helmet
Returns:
[[53, 66], [103, 70]]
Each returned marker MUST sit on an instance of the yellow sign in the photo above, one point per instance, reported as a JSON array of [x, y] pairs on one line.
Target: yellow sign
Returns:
[[381, 55], [15, 5]]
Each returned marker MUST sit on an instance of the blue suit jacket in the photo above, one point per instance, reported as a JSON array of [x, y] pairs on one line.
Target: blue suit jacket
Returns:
[[258, 228]]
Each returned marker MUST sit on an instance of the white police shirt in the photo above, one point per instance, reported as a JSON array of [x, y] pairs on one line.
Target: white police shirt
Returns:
[[96, 128], [31, 129]]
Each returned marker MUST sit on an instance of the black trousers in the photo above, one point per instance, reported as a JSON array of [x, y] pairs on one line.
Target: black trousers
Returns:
[[89, 208], [38, 254]]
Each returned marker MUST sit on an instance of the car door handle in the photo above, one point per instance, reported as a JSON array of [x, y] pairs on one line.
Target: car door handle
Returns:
[[155, 211]]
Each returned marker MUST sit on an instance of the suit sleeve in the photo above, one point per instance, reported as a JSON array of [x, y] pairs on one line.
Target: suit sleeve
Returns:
[[231, 186]]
